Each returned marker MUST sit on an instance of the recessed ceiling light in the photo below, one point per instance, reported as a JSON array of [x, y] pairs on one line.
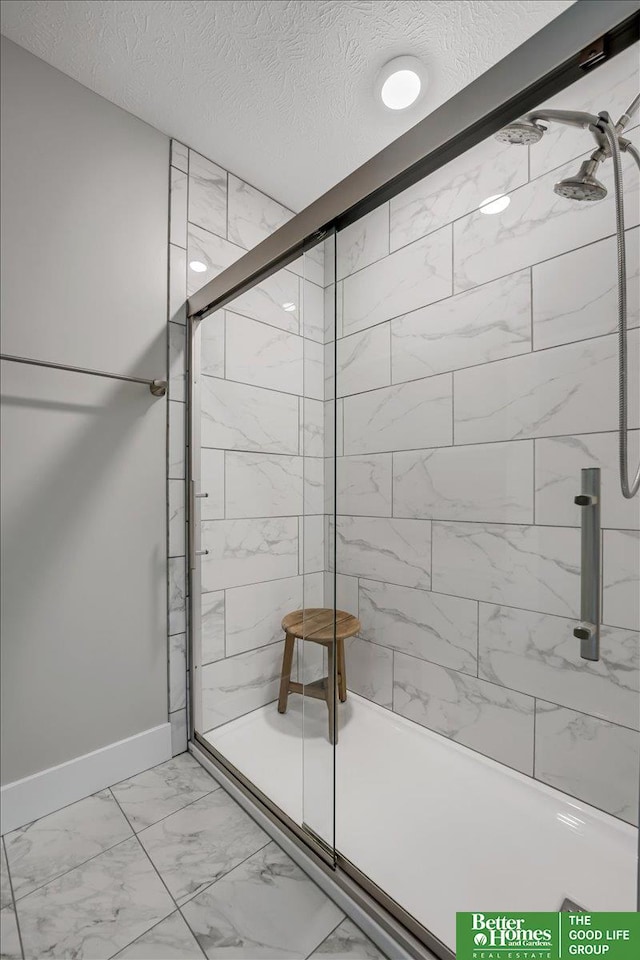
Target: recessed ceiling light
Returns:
[[197, 266], [400, 82], [495, 204], [289, 307]]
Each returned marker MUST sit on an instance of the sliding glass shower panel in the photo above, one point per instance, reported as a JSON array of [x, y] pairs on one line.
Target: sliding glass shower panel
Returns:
[[476, 377], [259, 365]]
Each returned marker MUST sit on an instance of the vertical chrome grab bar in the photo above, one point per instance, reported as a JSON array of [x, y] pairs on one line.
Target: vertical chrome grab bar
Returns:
[[588, 632]]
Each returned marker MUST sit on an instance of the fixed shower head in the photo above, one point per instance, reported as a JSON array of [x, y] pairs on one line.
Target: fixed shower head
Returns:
[[521, 131], [584, 186]]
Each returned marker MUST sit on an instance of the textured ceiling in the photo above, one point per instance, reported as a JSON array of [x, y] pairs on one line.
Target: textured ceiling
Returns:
[[279, 91]]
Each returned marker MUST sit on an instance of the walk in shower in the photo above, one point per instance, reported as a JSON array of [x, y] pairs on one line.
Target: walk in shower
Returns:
[[391, 416]]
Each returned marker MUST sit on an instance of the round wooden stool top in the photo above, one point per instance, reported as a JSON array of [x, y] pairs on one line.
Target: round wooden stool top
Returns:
[[317, 624]]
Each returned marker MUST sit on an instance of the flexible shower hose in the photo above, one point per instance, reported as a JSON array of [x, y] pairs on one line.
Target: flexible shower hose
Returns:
[[628, 489]]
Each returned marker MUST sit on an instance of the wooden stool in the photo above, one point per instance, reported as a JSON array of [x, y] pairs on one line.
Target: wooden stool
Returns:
[[317, 625]]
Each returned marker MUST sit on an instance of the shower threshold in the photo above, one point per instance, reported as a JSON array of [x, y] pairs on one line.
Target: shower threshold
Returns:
[[439, 827]]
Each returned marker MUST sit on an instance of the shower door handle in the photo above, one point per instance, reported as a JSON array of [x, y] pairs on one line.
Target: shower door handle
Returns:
[[588, 632]]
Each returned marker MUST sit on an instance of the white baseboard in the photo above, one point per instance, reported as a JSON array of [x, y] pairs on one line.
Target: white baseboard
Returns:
[[25, 800]]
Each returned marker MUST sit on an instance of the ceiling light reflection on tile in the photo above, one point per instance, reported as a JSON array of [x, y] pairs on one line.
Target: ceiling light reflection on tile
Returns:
[[197, 266], [495, 204]]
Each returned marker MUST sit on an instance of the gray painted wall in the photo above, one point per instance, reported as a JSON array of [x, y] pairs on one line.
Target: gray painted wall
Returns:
[[84, 245]]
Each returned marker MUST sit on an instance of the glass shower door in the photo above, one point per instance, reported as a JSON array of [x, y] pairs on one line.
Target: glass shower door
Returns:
[[258, 455]]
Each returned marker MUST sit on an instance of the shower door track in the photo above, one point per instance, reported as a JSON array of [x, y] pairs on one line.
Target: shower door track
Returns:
[[545, 64]]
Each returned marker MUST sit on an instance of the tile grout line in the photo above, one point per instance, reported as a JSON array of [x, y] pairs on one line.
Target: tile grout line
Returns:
[[330, 934]]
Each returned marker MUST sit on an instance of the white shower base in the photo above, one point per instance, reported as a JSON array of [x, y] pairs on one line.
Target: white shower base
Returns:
[[439, 827]]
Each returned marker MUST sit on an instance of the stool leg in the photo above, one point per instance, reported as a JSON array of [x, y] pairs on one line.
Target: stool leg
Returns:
[[342, 672], [331, 700], [287, 660]]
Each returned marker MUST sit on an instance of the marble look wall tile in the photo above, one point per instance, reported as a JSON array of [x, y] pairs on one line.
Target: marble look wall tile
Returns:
[[348, 942], [177, 672], [179, 156], [488, 718], [346, 592], [363, 242], [313, 485], [559, 461], [364, 485], [486, 323], [332, 300], [195, 846], [575, 295], [263, 485], [369, 670], [311, 427], [178, 721], [207, 194], [312, 544], [177, 284], [240, 417], [460, 186], [313, 311], [178, 208], [427, 625], [156, 793], [213, 251], [95, 909], [611, 87], [254, 613], [311, 265], [212, 336], [263, 356], [313, 369], [266, 907], [621, 578], [177, 359], [536, 568], [408, 279], [486, 482], [212, 626], [54, 844], [569, 389], [364, 360], [314, 259], [404, 417], [176, 519], [588, 758], [238, 685], [538, 654], [252, 215], [176, 440], [212, 483], [275, 301], [537, 225], [396, 551], [177, 595], [9, 938], [248, 551], [169, 940]]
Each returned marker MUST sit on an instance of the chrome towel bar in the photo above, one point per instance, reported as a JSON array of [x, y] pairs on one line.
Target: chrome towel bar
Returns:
[[157, 387]]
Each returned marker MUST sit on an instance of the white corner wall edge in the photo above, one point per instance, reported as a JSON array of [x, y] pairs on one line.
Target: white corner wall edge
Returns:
[[32, 797], [389, 946]]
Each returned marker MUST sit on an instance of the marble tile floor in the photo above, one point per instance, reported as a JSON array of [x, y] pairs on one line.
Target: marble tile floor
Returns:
[[163, 866]]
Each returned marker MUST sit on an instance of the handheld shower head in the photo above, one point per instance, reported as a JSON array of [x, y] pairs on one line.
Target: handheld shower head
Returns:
[[584, 186], [521, 131]]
